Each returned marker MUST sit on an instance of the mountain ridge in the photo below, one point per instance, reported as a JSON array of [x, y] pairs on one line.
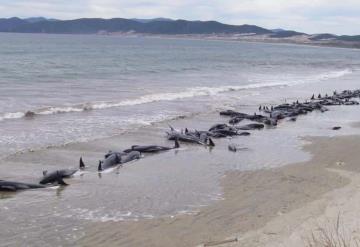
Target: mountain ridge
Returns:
[[96, 25], [165, 26]]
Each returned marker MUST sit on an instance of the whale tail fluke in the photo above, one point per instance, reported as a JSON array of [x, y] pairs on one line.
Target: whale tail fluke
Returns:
[[211, 143], [82, 164], [177, 145], [99, 166]]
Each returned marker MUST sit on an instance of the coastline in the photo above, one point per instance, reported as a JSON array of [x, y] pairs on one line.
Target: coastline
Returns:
[[260, 208], [297, 40], [246, 39]]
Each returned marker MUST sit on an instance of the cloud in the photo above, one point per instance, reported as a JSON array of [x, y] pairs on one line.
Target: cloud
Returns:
[[312, 17]]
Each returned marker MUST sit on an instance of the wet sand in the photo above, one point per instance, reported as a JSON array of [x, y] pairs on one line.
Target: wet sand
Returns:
[[186, 197], [261, 208]]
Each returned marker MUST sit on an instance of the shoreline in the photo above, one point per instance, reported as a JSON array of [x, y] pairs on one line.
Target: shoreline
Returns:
[[245, 194], [256, 40], [245, 39], [260, 208]]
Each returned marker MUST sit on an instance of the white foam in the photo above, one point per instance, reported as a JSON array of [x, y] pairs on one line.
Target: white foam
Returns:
[[181, 94], [56, 110], [13, 115], [334, 74]]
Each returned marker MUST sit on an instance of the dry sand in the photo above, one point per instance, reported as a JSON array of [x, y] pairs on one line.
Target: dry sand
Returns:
[[275, 207]]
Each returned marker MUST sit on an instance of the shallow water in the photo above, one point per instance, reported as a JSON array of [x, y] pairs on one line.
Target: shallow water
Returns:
[[88, 87], [132, 104]]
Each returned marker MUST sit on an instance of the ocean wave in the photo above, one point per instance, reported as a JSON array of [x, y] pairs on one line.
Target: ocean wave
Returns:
[[333, 74], [170, 96]]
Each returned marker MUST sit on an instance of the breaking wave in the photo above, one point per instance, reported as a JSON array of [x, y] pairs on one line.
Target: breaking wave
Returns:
[[171, 96]]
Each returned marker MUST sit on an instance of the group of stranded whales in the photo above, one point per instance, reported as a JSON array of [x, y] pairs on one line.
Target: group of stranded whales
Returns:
[[111, 159], [49, 179], [295, 109], [271, 116]]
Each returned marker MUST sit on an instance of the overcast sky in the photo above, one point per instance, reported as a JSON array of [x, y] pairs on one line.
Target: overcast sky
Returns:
[[311, 16]]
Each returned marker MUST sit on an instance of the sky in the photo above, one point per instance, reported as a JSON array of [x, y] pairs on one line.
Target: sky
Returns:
[[310, 16]]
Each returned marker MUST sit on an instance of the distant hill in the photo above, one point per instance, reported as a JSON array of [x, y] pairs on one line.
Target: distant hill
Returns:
[[165, 26], [6, 25], [151, 20], [323, 36], [95, 25], [38, 19], [278, 30], [328, 36], [355, 38], [285, 34]]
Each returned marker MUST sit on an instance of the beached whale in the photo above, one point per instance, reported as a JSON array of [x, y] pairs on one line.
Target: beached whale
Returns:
[[111, 161], [133, 155], [15, 186], [238, 116], [189, 137], [224, 130], [253, 126], [119, 154], [114, 159], [52, 177], [151, 148]]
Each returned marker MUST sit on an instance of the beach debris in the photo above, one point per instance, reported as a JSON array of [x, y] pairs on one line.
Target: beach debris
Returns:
[[221, 242], [340, 163], [234, 148]]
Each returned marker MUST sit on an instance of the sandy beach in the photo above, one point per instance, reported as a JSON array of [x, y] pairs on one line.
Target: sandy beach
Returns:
[[283, 182], [272, 207]]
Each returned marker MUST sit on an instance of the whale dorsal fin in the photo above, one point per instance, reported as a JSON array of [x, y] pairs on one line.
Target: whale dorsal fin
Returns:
[[211, 143], [177, 145], [99, 166], [45, 172], [82, 164]]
